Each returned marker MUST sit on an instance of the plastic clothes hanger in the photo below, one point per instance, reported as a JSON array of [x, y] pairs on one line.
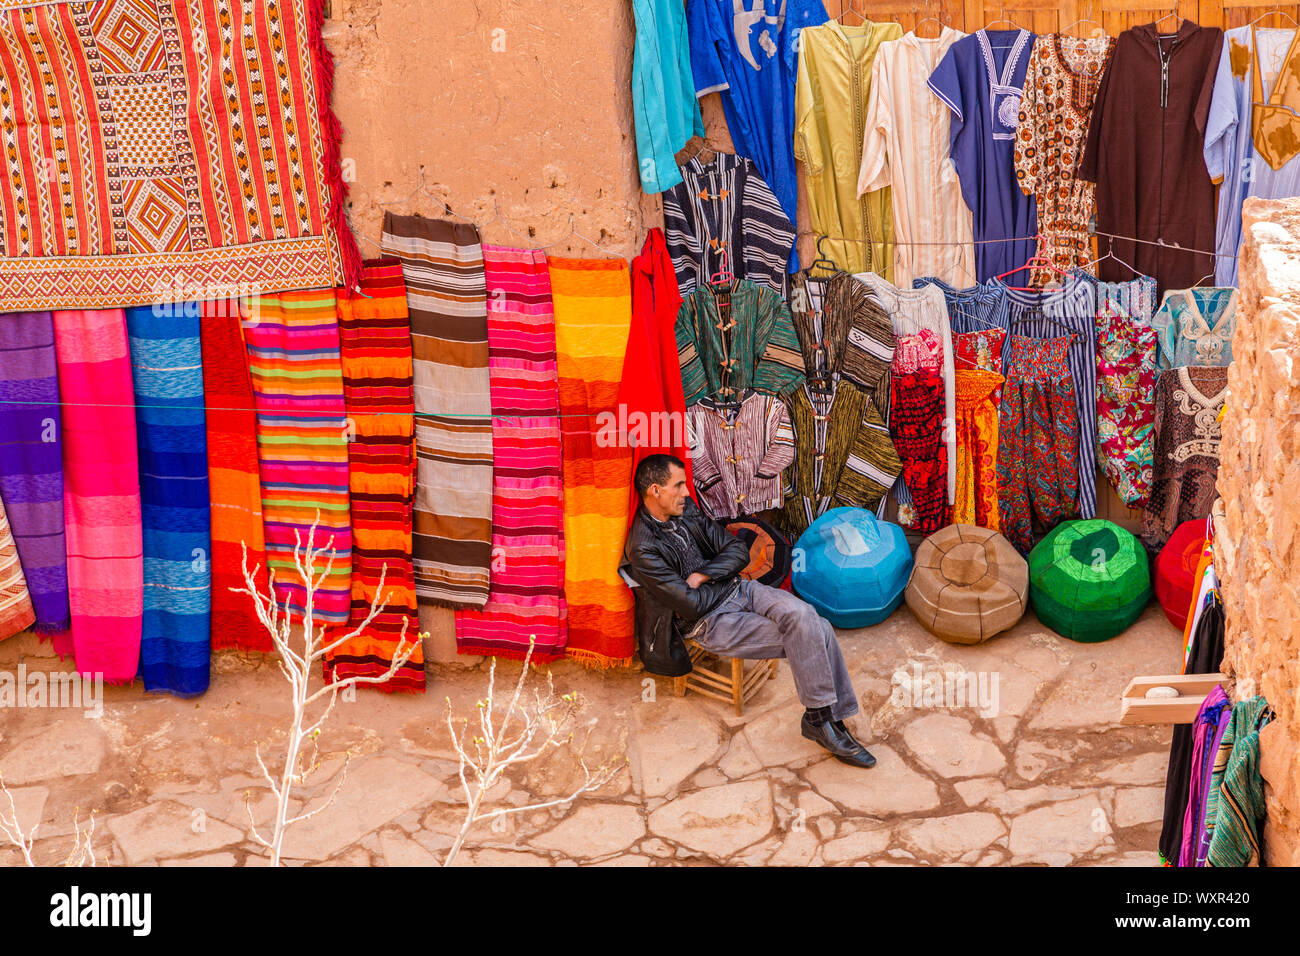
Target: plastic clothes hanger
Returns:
[[1034, 261]]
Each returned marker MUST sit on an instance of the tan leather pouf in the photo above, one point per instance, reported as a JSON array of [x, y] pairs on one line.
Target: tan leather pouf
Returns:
[[968, 584]]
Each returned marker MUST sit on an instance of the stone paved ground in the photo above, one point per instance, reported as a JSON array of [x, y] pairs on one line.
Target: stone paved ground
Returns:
[[1049, 778]]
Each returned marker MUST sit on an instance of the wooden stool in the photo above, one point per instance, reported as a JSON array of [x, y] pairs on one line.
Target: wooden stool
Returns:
[[737, 688]]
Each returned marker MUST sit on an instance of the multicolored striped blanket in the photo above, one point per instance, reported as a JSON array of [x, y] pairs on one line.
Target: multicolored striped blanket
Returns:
[[527, 594], [167, 372], [375, 338], [593, 313], [293, 359], [16, 612], [442, 264], [101, 493], [234, 479]]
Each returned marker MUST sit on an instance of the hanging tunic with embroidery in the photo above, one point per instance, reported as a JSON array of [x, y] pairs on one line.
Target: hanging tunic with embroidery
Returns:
[[736, 336], [1186, 456], [1145, 152], [830, 122], [977, 447], [1195, 327], [747, 51], [738, 453], [725, 205], [1252, 135], [844, 455], [1126, 413], [1038, 438], [1059, 88], [906, 148], [980, 79]]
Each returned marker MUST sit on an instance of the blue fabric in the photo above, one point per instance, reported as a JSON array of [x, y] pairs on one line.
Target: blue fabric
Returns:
[[1230, 153], [167, 370], [852, 567], [749, 51], [982, 143], [975, 309], [664, 106]]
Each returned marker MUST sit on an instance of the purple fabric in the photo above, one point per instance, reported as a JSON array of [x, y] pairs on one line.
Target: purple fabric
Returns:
[[1203, 834], [31, 462], [1205, 729]]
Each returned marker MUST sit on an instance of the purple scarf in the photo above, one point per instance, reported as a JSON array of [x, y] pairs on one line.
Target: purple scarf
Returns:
[[31, 462]]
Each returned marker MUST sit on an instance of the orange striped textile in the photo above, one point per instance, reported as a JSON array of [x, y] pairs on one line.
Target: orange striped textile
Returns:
[[593, 315], [234, 478], [293, 359], [375, 342], [16, 612]]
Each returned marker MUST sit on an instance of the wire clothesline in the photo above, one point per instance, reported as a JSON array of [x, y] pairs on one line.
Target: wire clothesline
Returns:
[[1159, 243]]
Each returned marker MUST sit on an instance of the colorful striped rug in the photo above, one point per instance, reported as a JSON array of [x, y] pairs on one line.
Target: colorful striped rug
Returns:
[[101, 492], [442, 264], [375, 338], [593, 314], [527, 594], [167, 372], [293, 359], [31, 466], [16, 613], [234, 479]]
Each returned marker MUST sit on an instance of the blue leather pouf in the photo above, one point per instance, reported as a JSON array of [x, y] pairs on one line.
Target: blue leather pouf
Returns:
[[852, 567]]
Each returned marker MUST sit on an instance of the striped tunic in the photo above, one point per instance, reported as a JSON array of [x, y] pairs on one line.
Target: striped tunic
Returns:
[[739, 453], [843, 329], [844, 455], [725, 204], [754, 346], [1049, 314], [293, 359], [442, 264]]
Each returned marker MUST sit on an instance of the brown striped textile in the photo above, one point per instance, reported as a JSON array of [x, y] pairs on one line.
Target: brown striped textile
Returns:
[[844, 455], [442, 264], [843, 329], [16, 613]]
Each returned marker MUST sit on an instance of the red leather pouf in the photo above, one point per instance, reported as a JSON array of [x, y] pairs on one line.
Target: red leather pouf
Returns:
[[1175, 569]]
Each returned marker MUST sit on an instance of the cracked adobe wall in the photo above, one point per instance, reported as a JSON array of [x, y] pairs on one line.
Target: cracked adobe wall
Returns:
[[1259, 479]]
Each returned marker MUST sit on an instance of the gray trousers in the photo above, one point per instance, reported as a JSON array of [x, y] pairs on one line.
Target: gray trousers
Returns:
[[760, 622]]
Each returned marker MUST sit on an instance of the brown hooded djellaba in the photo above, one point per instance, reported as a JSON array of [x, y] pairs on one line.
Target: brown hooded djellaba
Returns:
[[1145, 152]]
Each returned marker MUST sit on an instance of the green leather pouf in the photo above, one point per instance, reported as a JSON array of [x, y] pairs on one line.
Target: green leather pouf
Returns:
[[1089, 580]]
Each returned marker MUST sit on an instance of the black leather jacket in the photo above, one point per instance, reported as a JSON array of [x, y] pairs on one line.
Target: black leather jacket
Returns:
[[663, 597]]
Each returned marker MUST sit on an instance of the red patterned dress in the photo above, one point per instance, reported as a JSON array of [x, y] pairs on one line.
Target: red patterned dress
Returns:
[[1038, 442], [1126, 411]]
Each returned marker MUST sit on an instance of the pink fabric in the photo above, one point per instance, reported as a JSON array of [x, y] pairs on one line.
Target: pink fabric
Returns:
[[919, 352], [101, 493]]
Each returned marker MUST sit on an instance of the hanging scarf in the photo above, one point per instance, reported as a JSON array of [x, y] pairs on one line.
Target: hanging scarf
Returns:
[[234, 480], [16, 612], [167, 371], [31, 466], [293, 358], [593, 312], [442, 265], [375, 348], [527, 595], [101, 493]]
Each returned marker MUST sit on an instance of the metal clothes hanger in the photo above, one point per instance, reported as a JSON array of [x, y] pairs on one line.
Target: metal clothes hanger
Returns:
[[1065, 30], [497, 217], [699, 151], [573, 232], [1110, 254], [848, 6], [1277, 11], [1173, 13], [938, 21], [1002, 18]]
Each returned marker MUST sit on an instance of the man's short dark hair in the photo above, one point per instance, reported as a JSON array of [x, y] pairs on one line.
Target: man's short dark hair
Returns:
[[654, 470]]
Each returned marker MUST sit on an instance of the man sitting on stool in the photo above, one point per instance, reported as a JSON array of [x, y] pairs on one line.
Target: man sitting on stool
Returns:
[[688, 566]]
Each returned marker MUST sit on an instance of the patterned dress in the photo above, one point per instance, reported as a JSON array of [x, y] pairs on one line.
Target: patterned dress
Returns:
[[916, 426], [1186, 456], [977, 448], [1126, 381], [1060, 86], [1038, 477], [980, 350]]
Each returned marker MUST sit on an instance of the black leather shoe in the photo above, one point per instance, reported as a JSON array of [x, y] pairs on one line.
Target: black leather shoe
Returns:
[[840, 725], [840, 745]]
